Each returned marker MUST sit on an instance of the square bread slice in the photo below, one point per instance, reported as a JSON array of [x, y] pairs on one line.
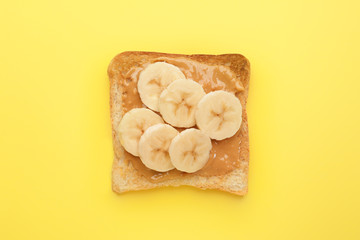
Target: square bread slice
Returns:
[[124, 176]]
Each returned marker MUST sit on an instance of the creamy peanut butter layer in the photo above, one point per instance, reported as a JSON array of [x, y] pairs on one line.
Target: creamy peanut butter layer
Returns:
[[225, 155]]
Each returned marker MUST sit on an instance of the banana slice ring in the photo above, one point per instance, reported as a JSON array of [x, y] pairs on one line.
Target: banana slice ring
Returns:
[[178, 102], [219, 114], [133, 125], [190, 150], [154, 79], [154, 147]]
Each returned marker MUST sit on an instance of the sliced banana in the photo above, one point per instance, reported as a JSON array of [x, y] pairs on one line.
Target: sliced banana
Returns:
[[189, 151], [219, 114], [154, 79], [133, 125], [154, 147], [178, 102]]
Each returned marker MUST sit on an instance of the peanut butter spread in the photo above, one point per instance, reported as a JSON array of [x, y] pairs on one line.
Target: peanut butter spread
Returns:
[[225, 155]]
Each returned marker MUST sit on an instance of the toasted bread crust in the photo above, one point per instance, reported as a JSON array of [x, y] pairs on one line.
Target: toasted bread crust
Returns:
[[124, 176]]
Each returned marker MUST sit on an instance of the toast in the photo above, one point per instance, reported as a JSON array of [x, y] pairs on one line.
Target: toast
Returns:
[[125, 177]]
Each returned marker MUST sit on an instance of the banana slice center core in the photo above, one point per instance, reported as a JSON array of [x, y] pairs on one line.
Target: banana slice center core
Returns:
[[192, 154], [157, 82]]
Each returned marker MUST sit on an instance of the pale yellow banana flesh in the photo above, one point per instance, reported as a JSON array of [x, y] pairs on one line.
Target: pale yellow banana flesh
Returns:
[[154, 147], [178, 102], [219, 114], [133, 125], [189, 151], [154, 79]]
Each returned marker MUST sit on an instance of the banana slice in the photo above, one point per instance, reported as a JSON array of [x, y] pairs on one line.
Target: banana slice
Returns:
[[218, 114], [178, 102], [189, 151], [154, 147], [154, 79], [133, 125]]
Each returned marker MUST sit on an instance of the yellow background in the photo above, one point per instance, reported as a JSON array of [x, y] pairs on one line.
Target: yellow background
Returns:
[[55, 137]]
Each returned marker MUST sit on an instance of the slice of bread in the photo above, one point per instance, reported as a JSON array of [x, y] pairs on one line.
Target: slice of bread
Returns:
[[124, 176]]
